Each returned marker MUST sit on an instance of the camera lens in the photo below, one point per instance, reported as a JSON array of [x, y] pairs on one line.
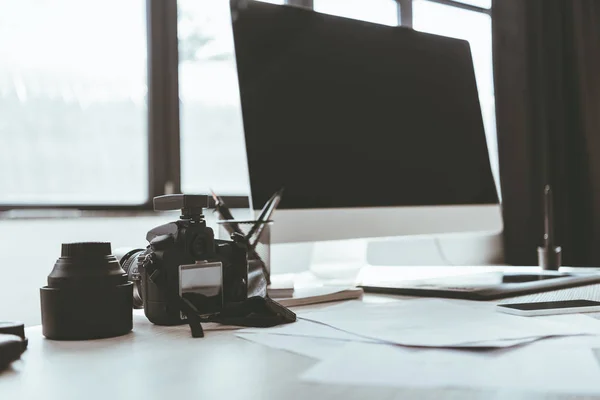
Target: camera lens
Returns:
[[88, 295], [130, 263]]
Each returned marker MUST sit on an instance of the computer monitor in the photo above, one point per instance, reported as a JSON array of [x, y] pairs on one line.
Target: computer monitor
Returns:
[[373, 131]]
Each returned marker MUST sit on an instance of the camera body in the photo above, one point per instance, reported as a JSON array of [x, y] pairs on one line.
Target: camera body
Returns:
[[185, 261]]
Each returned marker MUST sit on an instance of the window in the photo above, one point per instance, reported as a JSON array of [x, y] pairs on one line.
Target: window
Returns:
[[73, 102], [379, 11], [479, 3], [213, 154], [476, 28], [74, 96]]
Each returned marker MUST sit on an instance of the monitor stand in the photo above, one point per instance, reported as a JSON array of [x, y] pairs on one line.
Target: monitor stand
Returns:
[[338, 261]]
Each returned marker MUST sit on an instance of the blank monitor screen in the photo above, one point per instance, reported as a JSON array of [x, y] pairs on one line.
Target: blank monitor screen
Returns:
[[345, 113]]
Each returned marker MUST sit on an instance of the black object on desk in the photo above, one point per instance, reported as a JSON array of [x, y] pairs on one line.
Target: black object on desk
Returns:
[[88, 295], [465, 287], [549, 255], [12, 342]]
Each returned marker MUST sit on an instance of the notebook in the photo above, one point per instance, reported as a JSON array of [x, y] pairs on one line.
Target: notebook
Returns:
[[320, 294], [280, 293], [282, 286], [483, 286]]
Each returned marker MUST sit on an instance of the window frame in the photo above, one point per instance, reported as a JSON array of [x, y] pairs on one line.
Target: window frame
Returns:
[[164, 154]]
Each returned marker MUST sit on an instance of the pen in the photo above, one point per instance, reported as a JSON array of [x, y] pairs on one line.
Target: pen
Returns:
[[225, 214], [548, 216], [272, 207], [549, 256], [261, 217], [233, 227]]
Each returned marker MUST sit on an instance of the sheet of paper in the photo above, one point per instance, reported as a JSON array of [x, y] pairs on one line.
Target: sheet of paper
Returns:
[[444, 323], [531, 368], [310, 329], [317, 348], [569, 342], [307, 329]]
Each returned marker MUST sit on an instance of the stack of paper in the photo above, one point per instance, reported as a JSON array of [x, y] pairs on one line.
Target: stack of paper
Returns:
[[441, 343], [323, 294], [532, 368], [435, 323], [285, 291], [281, 286]]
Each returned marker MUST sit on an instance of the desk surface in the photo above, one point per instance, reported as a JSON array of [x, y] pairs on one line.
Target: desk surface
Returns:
[[156, 362]]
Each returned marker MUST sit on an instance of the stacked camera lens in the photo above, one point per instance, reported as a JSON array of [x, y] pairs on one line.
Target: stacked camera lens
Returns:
[[88, 295]]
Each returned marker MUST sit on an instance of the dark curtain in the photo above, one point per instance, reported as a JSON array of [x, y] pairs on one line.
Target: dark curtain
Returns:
[[547, 85]]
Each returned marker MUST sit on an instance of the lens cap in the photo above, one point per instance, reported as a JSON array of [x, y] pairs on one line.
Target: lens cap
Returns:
[[11, 348], [15, 328], [88, 295]]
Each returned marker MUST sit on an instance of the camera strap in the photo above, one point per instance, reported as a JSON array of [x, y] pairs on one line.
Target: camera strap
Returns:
[[258, 312], [185, 306], [193, 318]]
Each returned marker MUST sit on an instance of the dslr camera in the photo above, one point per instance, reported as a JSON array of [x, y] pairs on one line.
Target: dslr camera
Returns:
[[185, 269]]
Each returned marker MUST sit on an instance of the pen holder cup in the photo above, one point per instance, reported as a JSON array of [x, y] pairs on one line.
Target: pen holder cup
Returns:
[[259, 251]]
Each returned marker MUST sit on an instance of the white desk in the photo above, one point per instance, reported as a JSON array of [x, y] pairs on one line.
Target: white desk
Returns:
[[156, 362]]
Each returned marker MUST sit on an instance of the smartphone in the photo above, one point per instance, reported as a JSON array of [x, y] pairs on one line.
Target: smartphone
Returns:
[[550, 307]]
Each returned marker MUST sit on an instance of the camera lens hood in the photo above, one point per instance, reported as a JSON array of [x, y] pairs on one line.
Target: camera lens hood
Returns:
[[88, 295]]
